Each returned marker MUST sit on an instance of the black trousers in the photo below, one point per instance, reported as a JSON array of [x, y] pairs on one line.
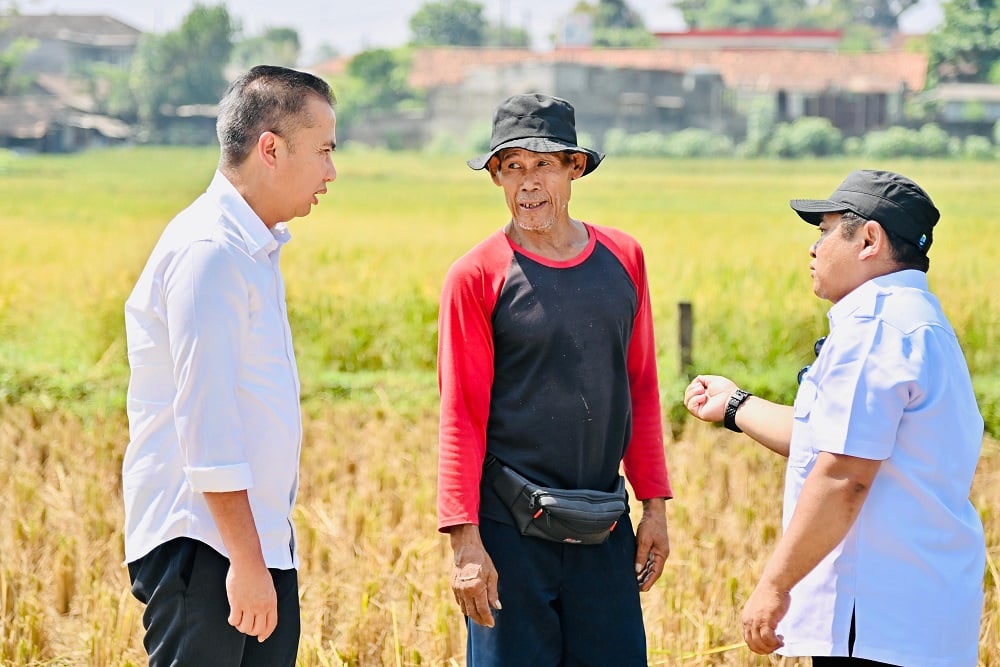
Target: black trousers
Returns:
[[850, 661], [564, 605], [183, 585]]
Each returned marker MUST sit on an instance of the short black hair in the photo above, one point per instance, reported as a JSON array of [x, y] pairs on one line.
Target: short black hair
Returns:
[[265, 98]]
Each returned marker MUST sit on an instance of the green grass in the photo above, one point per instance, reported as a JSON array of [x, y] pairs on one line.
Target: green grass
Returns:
[[364, 270]]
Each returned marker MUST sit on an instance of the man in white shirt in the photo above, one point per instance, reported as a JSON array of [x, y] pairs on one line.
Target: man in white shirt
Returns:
[[211, 470], [882, 557]]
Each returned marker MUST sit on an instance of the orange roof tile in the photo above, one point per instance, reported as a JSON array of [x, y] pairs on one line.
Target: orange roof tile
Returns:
[[751, 69]]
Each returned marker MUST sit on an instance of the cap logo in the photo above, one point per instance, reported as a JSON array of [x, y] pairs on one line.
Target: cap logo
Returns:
[[922, 242]]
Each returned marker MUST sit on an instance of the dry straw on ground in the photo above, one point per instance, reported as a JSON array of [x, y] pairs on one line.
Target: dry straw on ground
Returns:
[[374, 580]]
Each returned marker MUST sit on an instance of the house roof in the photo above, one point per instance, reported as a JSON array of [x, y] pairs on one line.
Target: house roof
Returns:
[[333, 67], [86, 29], [26, 117], [34, 117], [443, 66], [750, 69]]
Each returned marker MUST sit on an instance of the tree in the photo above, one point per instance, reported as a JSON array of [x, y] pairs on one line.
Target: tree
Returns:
[[384, 73], [713, 14], [880, 15], [612, 23], [109, 87], [10, 58], [967, 45], [448, 22], [505, 35], [616, 14], [276, 46], [618, 25], [183, 67]]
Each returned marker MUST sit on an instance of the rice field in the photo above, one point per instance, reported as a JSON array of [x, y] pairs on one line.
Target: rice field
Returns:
[[362, 273]]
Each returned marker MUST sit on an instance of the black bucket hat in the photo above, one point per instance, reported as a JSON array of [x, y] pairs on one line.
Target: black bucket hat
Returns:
[[538, 123], [891, 199]]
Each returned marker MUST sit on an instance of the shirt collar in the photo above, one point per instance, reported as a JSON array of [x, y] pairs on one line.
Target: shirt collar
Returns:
[[252, 229], [863, 300]]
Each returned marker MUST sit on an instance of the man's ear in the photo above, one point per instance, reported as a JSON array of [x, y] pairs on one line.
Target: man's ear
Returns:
[[579, 164], [873, 239], [493, 166], [267, 148]]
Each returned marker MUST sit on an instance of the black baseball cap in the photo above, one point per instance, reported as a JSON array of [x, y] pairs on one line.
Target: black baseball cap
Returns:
[[891, 199], [538, 123]]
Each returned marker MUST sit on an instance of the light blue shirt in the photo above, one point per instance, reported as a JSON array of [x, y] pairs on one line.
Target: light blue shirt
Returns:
[[891, 384], [213, 400]]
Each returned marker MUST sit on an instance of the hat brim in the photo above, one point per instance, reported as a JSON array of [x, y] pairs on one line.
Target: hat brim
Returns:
[[540, 145], [812, 210]]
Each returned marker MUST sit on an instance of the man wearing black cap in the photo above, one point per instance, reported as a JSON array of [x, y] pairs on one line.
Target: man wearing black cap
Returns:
[[547, 372], [882, 556]]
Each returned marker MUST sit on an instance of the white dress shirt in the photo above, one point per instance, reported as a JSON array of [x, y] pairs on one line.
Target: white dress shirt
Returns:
[[213, 400], [891, 384]]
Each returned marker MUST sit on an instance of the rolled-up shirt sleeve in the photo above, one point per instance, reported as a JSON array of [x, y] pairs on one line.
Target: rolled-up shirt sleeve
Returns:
[[208, 311]]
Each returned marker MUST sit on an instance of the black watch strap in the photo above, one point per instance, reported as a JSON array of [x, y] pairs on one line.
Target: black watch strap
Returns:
[[734, 404]]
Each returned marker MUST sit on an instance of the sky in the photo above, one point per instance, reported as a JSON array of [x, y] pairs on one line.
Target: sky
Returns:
[[349, 26]]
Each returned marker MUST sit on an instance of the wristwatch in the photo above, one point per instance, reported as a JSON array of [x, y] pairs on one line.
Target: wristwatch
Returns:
[[734, 404]]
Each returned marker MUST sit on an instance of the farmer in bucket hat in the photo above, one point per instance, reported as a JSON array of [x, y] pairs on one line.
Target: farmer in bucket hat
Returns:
[[547, 373], [882, 557]]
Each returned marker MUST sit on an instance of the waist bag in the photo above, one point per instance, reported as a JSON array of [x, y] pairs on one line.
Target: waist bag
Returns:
[[577, 516]]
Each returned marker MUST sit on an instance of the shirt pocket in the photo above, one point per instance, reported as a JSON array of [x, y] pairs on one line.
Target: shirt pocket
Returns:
[[801, 452]]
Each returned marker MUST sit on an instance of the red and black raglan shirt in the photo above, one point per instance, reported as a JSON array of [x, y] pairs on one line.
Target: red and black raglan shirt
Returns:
[[551, 367]]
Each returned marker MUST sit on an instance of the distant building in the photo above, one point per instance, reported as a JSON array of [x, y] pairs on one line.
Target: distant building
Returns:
[[965, 108], [55, 114], [630, 97], [64, 41], [667, 89]]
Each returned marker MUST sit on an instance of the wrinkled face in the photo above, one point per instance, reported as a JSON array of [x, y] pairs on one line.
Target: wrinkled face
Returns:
[[306, 163], [537, 185], [836, 261]]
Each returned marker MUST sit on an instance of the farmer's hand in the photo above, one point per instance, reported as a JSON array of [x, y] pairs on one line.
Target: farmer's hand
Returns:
[[473, 579]]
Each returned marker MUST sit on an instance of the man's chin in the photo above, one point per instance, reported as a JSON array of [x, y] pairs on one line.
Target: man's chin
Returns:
[[534, 225]]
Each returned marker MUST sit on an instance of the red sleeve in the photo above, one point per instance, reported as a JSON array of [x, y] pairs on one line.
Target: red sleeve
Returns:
[[644, 462], [465, 375]]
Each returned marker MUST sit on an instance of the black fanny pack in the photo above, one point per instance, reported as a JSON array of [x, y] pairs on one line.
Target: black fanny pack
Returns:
[[577, 516]]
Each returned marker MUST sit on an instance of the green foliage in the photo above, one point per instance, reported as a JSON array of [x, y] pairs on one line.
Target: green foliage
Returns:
[[810, 136], [110, 89], [10, 58], [877, 16], [475, 142], [640, 144], [7, 160], [376, 82], [967, 46], [709, 14], [507, 36], [448, 23], [276, 46], [978, 148], [616, 25], [929, 141], [762, 119], [616, 14], [631, 38], [697, 142], [384, 73], [184, 66]]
